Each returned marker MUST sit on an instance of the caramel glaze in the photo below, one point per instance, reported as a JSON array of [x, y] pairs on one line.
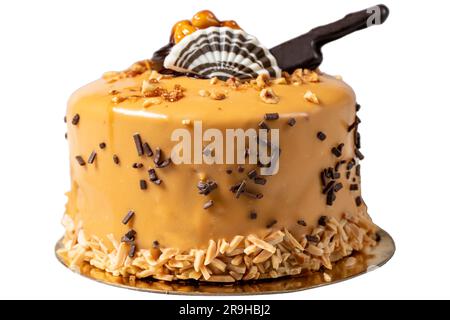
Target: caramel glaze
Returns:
[[102, 193]]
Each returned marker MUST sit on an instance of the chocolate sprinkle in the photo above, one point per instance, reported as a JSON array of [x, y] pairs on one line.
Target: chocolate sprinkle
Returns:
[[252, 174], [323, 221], [253, 215], [132, 251], [143, 184], [263, 125], [208, 204], [138, 142], [147, 150], [137, 165], [351, 164], [152, 175], [358, 170], [336, 152], [80, 160], [330, 197], [357, 107], [205, 188], [65, 135], [291, 122], [102, 145], [229, 171], [311, 238], [354, 124], [347, 174], [321, 136], [338, 186], [359, 155], [164, 164], [328, 187], [240, 189], [65, 119], [271, 116], [129, 236], [128, 217], [301, 222], [354, 187], [157, 158], [92, 157], [76, 119], [241, 169], [271, 224], [260, 180], [358, 201], [116, 159], [155, 244]]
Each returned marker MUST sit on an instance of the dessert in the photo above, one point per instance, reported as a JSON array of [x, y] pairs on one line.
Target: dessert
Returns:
[[143, 203]]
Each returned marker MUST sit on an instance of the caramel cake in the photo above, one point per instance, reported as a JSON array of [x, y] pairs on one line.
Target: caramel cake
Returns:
[[136, 211]]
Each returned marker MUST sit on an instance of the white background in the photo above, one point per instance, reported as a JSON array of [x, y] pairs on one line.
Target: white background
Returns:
[[399, 71]]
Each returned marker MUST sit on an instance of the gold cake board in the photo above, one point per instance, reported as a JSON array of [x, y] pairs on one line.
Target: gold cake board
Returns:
[[365, 262]]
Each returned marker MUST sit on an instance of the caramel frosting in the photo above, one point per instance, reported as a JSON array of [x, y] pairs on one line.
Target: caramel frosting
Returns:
[[113, 110]]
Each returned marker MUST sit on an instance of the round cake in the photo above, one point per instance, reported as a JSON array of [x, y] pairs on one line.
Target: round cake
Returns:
[[166, 181]]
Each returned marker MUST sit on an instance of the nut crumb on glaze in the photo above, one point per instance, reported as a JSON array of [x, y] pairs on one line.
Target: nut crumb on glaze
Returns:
[[267, 95], [311, 97]]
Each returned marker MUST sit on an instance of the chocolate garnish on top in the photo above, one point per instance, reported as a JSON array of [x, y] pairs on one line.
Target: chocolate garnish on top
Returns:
[[305, 51]]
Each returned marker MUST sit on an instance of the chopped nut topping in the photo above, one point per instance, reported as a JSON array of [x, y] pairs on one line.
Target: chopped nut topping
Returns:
[[118, 99], [213, 80], [268, 96], [155, 76], [147, 87], [311, 97], [151, 101], [204, 93], [217, 95], [233, 83], [281, 80], [262, 81]]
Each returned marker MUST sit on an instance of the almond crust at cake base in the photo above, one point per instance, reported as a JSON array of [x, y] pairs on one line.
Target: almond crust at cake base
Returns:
[[275, 255]]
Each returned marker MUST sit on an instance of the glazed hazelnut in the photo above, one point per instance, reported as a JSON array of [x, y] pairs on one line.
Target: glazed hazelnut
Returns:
[[205, 19], [182, 29], [230, 24]]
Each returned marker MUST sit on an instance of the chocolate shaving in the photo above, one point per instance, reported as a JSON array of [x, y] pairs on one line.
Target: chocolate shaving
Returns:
[[321, 136], [138, 142], [291, 122], [116, 159], [76, 119], [323, 221], [252, 174], [301, 222], [143, 184], [147, 150], [128, 217], [240, 189], [271, 116], [80, 160], [271, 224], [92, 157], [263, 125], [313, 239]]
